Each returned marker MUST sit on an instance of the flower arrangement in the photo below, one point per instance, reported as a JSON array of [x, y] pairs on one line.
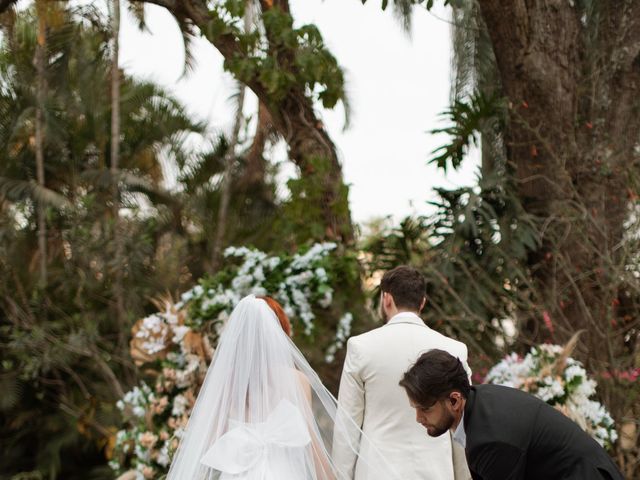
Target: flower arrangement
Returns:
[[548, 372], [296, 281], [175, 356], [174, 346]]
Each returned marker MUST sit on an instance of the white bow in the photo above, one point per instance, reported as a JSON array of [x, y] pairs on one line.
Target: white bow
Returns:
[[245, 446]]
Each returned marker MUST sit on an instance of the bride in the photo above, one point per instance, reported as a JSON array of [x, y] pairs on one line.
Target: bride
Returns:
[[262, 412]]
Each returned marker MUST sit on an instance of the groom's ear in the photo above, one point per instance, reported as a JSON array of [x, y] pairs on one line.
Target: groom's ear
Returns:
[[387, 299], [455, 398], [424, 302]]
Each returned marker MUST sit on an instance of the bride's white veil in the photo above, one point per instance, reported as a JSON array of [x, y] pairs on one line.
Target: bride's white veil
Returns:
[[263, 413]]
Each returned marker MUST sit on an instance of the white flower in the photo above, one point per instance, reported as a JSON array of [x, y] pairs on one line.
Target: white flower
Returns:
[[552, 388], [259, 291], [587, 388], [180, 404], [550, 350], [139, 411], [198, 290], [142, 453], [186, 296], [574, 371], [321, 274], [208, 303], [163, 457], [298, 297], [179, 332], [342, 334], [514, 371], [242, 282], [272, 263]]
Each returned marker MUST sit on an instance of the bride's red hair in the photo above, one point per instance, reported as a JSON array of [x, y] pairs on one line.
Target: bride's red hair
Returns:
[[278, 310]]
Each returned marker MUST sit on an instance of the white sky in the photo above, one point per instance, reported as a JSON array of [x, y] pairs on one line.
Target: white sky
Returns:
[[397, 87]]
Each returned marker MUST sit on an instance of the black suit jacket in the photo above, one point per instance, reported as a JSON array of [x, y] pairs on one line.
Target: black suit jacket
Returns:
[[512, 435]]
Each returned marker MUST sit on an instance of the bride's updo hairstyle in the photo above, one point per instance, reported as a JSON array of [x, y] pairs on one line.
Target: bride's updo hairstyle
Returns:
[[278, 310]]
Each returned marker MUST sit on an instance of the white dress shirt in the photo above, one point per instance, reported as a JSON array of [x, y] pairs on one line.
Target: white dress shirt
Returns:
[[459, 435]]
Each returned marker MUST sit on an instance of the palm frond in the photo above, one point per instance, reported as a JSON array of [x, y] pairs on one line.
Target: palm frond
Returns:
[[207, 165], [466, 118], [20, 190]]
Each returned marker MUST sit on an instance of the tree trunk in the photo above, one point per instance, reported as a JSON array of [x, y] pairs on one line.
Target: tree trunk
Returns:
[[571, 113], [253, 175], [118, 290], [227, 181], [573, 81], [230, 160], [41, 68]]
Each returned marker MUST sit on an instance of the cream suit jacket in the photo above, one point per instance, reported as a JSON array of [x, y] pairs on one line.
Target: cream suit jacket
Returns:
[[369, 393]]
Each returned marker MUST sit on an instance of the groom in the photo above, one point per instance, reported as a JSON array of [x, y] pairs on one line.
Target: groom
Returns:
[[370, 394]]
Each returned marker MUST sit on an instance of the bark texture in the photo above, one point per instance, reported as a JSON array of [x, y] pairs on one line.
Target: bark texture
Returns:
[[573, 83]]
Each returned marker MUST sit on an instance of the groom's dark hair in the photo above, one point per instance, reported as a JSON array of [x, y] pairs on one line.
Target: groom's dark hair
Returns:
[[434, 376], [406, 285]]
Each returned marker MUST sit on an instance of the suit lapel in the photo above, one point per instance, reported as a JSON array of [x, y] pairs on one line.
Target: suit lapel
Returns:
[[468, 411], [468, 407]]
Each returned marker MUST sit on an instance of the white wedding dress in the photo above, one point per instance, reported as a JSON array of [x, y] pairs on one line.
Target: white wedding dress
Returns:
[[262, 412], [272, 450]]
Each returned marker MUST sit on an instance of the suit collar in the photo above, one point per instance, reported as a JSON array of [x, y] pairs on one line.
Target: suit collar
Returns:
[[468, 407], [406, 317]]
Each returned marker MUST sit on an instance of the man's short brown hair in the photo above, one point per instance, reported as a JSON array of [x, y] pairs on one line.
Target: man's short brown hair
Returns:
[[406, 285]]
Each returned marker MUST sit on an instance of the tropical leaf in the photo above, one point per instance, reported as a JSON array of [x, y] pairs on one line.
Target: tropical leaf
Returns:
[[21, 190], [467, 119]]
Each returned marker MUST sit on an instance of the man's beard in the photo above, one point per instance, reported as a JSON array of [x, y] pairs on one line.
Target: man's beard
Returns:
[[442, 427]]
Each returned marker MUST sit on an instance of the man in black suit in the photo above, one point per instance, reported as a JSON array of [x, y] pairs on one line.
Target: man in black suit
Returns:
[[507, 434]]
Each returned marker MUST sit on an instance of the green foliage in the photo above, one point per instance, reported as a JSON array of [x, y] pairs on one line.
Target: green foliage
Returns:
[[473, 254], [303, 219], [61, 348], [253, 206], [279, 59], [467, 117], [63, 353]]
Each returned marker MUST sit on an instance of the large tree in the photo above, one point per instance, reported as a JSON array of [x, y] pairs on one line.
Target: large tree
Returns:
[[565, 78], [289, 69]]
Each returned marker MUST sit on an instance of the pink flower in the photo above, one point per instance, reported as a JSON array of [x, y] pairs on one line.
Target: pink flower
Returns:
[[547, 321], [147, 439]]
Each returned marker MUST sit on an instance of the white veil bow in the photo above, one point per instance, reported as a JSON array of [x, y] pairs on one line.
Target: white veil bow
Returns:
[[263, 414]]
